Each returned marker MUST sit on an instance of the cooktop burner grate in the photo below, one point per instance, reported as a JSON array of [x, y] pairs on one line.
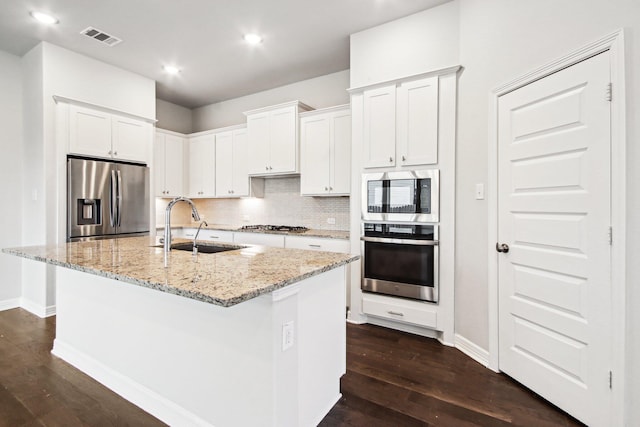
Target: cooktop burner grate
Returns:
[[286, 228]]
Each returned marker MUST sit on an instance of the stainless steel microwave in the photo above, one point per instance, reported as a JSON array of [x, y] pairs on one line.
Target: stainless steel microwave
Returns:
[[404, 196]]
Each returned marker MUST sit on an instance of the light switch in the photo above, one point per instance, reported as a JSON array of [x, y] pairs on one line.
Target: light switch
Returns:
[[479, 191]]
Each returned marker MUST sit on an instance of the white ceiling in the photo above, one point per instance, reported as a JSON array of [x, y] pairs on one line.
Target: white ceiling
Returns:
[[302, 38]]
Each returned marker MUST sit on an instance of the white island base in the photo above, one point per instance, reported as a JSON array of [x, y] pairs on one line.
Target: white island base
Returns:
[[191, 363]]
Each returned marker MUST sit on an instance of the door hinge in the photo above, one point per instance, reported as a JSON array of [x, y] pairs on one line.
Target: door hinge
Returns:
[[609, 92], [610, 379], [610, 236]]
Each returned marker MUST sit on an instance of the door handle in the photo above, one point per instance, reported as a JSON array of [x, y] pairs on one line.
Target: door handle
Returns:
[[113, 201], [119, 198], [502, 247]]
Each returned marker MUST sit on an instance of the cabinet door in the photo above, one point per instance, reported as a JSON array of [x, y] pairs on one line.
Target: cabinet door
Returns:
[[89, 132], [379, 121], [159, 160], [418, 122], [240, 165], [130, 139], [341, 154], [202, 166], [317, 244], [258, 142], [272, 240], [224, 165], [174, 166], [315, 153], [283, 140]]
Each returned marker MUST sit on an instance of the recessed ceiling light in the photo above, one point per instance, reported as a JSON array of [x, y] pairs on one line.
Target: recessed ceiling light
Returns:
[[252, 38], [44, 18], [170, 69]]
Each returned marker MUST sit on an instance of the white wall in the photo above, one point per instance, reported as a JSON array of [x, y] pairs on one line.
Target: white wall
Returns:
[[500, 40], [319, 92], [50, 70], [10, 176], [421, 42], [173, 117]]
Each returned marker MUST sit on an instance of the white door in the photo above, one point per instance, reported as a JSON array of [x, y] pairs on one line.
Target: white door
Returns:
[[258, 143], [283, 140], [89, 132], [341, 153], [379, 127], [174, 182], [224, 165], [240, 164], [131, 139], [554, 215]]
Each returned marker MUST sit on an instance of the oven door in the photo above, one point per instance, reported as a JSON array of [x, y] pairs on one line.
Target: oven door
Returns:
[[401, 267]]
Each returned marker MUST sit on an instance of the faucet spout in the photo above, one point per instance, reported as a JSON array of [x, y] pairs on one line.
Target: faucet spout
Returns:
[[167, 223]]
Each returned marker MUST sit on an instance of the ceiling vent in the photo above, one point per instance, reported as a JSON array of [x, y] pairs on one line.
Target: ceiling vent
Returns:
[[101, 36]]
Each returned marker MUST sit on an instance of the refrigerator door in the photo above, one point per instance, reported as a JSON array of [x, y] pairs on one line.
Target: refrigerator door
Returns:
[[89, 194], [132, 199]]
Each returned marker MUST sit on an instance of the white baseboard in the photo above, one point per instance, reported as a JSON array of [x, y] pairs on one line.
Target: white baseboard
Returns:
[[8, 304], [37, 309], [158, 406], [472, 350]]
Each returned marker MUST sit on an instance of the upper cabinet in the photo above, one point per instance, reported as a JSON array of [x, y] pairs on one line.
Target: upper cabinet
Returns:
[[202, 176], [231, 171], [272, 134], [400, 124], [325, 151], [101, 134], [168, 164]]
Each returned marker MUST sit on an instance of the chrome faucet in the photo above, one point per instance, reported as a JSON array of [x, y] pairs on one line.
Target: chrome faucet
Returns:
[[167, 223], [195, 247]]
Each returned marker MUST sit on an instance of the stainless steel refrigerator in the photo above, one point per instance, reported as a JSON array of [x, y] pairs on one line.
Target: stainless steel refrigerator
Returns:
[[106, 199]]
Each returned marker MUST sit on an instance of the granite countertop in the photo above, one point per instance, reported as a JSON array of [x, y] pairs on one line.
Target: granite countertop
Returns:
[[327, 234], [225, 278]]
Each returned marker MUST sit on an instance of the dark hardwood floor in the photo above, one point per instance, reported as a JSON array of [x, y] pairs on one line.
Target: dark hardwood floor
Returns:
[[393, 379]]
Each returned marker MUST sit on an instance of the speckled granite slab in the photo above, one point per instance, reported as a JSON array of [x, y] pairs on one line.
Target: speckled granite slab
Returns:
[[224, 279], [327, 234]]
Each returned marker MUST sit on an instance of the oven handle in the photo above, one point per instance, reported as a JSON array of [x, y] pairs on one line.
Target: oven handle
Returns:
[[400, 241]]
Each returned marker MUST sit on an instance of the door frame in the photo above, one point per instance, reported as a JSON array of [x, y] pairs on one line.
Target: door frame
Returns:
[[614, 43]]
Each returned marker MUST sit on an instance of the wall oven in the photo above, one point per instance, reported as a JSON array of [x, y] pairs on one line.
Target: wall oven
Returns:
[[404, 196], [400, 260]]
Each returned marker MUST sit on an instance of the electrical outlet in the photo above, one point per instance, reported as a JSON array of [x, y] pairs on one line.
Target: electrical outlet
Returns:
[[287, 335], [479, 191], [331, 221]]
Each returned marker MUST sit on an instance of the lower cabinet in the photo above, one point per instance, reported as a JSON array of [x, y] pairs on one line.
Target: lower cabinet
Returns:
[[400, 310], [273, 240], [317, 244]]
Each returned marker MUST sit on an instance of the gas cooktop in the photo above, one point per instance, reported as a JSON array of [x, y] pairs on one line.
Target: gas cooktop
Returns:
[[286, 228]]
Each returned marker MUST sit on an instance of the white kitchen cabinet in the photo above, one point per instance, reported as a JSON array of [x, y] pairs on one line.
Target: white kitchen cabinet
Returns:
[[202, 165], [101, 134], [231, 171], [317, 244], [400, 124], [272, 240], [221, 236], [401, 310], [169, 164], [379, 120], [272, 138], [325, 152]]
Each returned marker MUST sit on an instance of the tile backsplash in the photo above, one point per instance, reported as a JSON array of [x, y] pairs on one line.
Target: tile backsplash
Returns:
[[282, 205]]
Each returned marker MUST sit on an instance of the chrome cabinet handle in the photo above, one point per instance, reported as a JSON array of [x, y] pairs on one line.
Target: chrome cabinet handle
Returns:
[[395, 313], [502, 248], [314, 246], [404, 158], [390, 159], [115, 153], [110, 152], [266, 167]]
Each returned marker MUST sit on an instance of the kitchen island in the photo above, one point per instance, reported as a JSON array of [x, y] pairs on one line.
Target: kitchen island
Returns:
[[252, 336]]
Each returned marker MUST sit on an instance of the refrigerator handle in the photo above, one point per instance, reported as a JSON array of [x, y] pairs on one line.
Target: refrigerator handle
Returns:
[[119, 198], [112, 201]]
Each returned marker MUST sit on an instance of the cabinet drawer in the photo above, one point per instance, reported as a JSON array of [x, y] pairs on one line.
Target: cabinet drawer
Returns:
[[216, 236], [273, 240], [399, 310], [317, 244]]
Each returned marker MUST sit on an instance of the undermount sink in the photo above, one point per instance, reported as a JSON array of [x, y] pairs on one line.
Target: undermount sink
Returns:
[[207, 249]]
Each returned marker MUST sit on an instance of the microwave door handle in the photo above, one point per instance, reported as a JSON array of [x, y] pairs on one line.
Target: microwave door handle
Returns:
[[400, 241], [119, 198], [113, 200]]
